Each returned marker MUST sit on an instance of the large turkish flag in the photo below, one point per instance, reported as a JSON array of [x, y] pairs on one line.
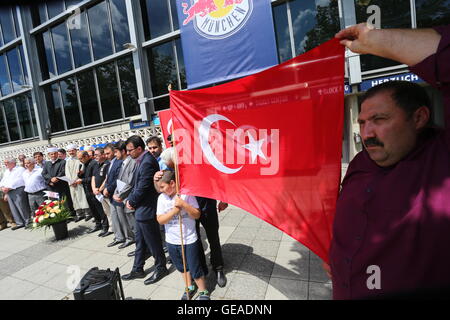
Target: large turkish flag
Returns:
[[269, 143]]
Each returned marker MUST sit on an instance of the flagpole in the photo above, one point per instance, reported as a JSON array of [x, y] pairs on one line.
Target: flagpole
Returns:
[[177, 186]]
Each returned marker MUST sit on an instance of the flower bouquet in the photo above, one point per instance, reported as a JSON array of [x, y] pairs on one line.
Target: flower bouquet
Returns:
[[55, 214]]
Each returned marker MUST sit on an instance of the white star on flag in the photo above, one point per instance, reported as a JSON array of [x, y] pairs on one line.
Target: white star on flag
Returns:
[[255, 147]]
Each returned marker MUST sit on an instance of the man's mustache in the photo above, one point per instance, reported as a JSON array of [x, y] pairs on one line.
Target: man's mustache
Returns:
[[373, 142]]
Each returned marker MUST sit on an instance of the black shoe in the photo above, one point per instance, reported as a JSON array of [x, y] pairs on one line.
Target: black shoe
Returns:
[[221, 279], [108, 233], [94, 229], [17, 227], [114, 243], [133, 275], [126, 244], [103, 233], [131, 254], [156, 276], [88, 218]]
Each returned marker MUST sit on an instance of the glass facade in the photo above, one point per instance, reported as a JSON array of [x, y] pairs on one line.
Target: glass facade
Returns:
[[88, 75]]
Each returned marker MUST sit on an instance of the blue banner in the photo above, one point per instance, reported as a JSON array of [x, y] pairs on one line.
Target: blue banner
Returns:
[[225, 39]]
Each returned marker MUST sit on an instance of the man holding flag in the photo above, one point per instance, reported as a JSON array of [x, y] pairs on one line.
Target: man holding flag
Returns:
[[391, 230]]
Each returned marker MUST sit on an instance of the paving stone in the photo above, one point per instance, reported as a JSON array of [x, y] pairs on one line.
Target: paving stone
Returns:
[[247, 287], [245, 233], [257, 265], [320, 291], [16, 288], [265, 248], [286, 289]]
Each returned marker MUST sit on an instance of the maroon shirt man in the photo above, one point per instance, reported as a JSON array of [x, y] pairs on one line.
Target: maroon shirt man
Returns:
[[391, 231]]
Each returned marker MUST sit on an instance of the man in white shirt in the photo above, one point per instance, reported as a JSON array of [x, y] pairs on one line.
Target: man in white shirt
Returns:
[[34, 184], [13, 187]]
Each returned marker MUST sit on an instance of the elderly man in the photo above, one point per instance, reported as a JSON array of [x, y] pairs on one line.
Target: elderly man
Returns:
[[21, 158], [34, 184], [54, 169], [392, 222], [13, 187], [5, 211], [77, 193]]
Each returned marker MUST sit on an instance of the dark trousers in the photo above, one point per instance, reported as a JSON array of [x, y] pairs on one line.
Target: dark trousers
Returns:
[[148, 239], [97, 211], [210, 221], [65, 192]]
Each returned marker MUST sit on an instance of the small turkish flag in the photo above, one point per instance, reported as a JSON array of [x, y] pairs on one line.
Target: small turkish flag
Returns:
[[269, 143], [165, 120]]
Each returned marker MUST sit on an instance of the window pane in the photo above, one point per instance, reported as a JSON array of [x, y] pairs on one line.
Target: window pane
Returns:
[[282, 32], [181, 65], [3, 133], [4, 79], [100, 33], [128, 86], [156, 18], [394, 14], [15, 69], [162, 68], [88, 98], [24, 117], [54, 108], [173, 8], [70, 103], [61, 45], [80, 42], [33, 116], [313, 23], [42, 12], [47, 65], [72, 3], [54, 8], [6, 21], [109, 94], [11, 120], [16, 22], [432, 13], [24, 67], [119, 23]]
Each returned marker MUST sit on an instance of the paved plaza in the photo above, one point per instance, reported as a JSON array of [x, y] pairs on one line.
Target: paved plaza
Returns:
[[261, 263]]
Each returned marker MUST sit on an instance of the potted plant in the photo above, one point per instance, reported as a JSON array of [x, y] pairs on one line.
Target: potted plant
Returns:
[[55, 214]]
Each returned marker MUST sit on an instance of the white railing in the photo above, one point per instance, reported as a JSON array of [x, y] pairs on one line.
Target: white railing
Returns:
[[90, 141]]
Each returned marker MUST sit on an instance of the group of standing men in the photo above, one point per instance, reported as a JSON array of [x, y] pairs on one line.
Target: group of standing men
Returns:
[[117, 187]]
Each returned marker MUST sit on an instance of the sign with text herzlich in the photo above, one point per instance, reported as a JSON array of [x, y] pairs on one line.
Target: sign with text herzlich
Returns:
[[225, 39]]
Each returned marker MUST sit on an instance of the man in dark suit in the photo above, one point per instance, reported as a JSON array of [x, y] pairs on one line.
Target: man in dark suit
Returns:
[[143, 199]]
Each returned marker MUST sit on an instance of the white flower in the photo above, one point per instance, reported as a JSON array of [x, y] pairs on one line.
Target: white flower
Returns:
[[34, 224], [41, 218], [47, 201], [52, 215]]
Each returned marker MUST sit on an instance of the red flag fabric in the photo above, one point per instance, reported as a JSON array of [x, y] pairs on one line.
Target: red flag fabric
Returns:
[[165, 121], [269, 143]]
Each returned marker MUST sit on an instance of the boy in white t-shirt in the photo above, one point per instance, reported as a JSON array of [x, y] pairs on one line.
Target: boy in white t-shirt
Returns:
[[170, 205]]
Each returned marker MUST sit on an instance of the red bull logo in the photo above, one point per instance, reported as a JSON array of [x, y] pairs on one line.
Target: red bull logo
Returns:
[[217, 19]]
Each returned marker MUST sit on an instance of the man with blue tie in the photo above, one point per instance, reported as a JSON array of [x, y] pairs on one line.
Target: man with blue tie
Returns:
[[143, 199]]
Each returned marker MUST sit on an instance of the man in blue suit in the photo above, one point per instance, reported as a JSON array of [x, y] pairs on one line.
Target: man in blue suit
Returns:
[[143, 199]]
